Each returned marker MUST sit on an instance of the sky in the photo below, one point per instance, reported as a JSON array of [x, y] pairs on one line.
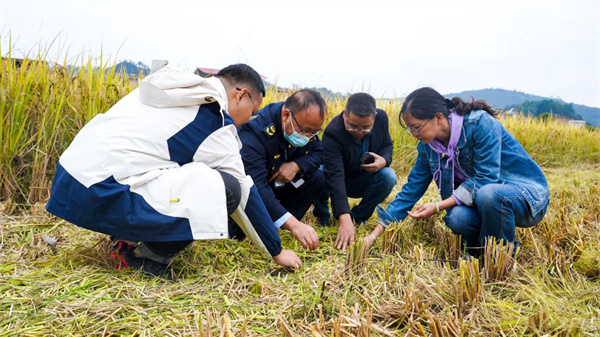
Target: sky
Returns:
[[386, 48]]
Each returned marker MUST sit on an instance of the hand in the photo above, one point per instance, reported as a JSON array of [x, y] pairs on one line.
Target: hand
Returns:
[[287, 171], [368, 241], [288, 258], [346, 232], [303, 233], [423, 211], [375, 166]]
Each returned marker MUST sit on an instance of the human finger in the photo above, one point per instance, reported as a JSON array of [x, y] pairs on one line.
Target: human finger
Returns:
[[315, 240], [338, 240], [303, 242], [298, 263], [274, 175]]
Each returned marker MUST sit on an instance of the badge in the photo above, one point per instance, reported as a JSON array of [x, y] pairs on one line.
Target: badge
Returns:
[[270, 129]]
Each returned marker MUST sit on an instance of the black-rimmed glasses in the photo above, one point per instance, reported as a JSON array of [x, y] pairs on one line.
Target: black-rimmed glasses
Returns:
[[249, 96]]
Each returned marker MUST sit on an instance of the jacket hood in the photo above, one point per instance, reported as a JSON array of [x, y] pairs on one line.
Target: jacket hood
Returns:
[[169, 87]]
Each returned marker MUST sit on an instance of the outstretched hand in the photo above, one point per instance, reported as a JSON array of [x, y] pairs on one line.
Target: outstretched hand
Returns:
[[287, 258], [302, 232], [346, 232], [423, 211]]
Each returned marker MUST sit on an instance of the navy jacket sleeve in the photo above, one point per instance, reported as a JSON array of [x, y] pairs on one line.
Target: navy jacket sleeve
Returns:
[[333, 167], [387, 147], [255, 163], [311, 155], [262, 223]]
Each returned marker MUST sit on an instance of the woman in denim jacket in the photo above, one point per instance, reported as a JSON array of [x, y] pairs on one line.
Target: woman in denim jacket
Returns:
[[488, 183]]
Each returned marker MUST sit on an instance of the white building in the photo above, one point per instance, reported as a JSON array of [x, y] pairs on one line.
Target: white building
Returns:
[[577, 123]]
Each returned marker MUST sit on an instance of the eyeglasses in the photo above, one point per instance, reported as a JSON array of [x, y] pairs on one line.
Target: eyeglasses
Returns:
[[306, 133], [357, 129], [417, 131], [251, 100]]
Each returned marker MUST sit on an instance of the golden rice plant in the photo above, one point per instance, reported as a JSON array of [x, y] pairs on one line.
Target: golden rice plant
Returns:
[[43, 106], [499, 259], [355, 258], [554, 143]]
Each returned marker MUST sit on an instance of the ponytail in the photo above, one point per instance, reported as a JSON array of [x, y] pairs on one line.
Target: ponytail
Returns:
[[425, 103], [463, 107]]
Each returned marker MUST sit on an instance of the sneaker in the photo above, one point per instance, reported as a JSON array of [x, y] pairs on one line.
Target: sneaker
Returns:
[[130, 260], [119, 248]]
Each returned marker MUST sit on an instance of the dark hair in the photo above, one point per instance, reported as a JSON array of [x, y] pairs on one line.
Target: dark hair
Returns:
[[361, 104], [425, 103], [242, 74], [304, 98]]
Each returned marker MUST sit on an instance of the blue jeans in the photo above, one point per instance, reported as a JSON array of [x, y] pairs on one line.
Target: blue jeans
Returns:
[[498, 210], [373, 188]]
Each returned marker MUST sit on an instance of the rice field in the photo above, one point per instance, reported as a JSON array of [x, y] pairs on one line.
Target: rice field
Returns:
[[57, 279]]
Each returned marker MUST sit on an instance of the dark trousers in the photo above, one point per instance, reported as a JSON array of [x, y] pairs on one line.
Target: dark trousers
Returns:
[[298, 200], [294, 200], [165, 251], [373, 188]]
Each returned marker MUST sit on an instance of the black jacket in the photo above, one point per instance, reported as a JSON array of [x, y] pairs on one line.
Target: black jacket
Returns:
[[264, 149], [341, 162]]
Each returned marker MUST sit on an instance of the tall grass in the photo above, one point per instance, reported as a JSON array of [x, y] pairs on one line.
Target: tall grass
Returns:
[[554, 143], [43, 106]]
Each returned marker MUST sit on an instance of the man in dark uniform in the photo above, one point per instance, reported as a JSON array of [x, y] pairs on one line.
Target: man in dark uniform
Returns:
[[282, 153], [358, 153]]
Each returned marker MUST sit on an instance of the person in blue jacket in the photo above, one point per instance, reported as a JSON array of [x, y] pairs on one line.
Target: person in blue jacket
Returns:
[[487, 182], [282, 153], [162, 168]]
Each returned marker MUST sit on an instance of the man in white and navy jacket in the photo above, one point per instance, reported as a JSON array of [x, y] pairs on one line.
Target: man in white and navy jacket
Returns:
[[162, 168]]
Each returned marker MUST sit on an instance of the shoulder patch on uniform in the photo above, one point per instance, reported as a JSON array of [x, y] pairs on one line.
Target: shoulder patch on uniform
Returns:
[[270, 129]]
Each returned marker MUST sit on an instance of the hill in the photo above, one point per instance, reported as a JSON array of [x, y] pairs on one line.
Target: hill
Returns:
[[501, 98], [132, 68]]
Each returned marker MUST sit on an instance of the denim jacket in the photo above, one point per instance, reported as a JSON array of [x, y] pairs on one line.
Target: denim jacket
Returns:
[[487, 154]]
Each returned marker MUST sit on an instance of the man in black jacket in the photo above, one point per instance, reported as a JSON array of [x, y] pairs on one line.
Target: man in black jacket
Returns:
[[358, 152]]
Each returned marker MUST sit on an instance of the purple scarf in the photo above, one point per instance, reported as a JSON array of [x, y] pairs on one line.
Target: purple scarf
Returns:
[[456, 121]]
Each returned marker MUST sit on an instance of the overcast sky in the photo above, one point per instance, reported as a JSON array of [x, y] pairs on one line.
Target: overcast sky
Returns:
[[387, 48]]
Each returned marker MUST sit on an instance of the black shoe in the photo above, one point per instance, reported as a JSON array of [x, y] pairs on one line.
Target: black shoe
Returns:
[[130, 260]]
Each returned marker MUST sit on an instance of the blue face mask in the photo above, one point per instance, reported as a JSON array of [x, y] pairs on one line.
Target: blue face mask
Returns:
[[296, 139]]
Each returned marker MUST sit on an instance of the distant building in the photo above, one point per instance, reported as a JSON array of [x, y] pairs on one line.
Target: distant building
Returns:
[[577, 123], [206, 72]]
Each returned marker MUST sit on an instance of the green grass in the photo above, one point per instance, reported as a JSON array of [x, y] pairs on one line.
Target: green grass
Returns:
[[225, 288]]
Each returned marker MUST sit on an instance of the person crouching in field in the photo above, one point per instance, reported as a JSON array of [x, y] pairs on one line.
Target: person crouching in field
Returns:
[[162, 168], [488, 183], [358, 153]]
